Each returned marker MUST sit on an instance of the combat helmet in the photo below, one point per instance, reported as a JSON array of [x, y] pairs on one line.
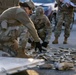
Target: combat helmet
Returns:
[[29, 2], [39, 11]]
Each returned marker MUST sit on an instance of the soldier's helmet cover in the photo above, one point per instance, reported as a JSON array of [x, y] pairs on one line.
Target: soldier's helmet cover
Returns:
[[39, 11], [29, 2]]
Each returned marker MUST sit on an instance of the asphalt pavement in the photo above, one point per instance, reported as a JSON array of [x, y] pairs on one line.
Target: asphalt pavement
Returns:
[[71, 39]]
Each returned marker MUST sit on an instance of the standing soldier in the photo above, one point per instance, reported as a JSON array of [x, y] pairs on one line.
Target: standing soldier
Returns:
[[10, 21], [43, 25], [4, 4], [65, 13]]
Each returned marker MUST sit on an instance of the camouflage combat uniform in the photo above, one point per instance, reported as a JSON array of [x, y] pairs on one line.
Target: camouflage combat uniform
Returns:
[[42, 24], [23, 35], [65, 13], [4, 4], [11, 19]]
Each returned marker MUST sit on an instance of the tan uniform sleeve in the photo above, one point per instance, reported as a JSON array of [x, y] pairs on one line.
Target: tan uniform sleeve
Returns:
[[23, 18]]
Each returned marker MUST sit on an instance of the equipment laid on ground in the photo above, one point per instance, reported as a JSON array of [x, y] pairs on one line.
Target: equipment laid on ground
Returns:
[[11, 65]]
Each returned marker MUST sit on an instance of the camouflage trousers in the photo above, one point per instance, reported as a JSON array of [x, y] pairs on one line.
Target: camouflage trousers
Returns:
[[67, 18], [9, 47]]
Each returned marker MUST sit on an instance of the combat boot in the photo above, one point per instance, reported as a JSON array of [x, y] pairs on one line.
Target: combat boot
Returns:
[[65, 40], [55, 41]]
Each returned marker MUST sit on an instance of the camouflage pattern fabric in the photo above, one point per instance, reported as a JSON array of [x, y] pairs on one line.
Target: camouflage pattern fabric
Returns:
[[64, 14], [23, 36], [12, 19], [42, 24], [64, 7]]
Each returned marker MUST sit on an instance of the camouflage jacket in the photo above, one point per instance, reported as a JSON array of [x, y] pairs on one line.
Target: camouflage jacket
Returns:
[[42, 25], [16, 16], [63, 7]]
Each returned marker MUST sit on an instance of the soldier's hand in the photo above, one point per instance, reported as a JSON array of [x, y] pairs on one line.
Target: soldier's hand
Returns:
[[45, 44], [38, 46], [30, 41]]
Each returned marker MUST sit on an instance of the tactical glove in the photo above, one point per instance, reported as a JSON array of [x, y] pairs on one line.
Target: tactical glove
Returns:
[[38, 46], [45, 44], [29, 41]]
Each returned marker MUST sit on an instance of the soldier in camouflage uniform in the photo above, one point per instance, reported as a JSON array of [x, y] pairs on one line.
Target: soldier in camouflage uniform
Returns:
[[4, 4], [43, 25], [65, 13], [11, 19]]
